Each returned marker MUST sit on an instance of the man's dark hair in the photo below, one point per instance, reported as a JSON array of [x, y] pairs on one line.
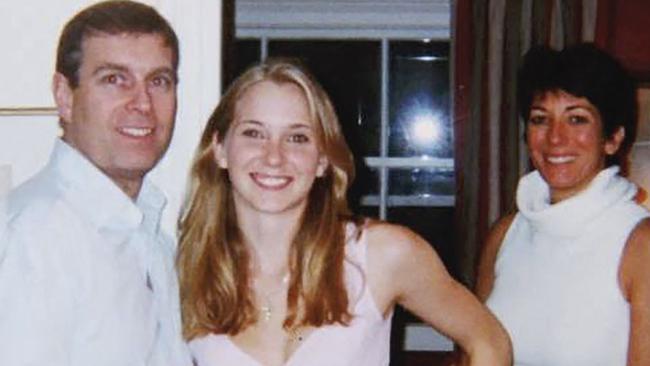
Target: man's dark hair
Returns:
[[584, 71], [109, 17]]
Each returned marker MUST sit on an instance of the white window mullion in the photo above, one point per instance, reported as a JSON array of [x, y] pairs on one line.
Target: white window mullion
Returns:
[[383, 170], [264, 48]]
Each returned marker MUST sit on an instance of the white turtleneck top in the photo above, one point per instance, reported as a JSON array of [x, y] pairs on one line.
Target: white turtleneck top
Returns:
[[556, 286]]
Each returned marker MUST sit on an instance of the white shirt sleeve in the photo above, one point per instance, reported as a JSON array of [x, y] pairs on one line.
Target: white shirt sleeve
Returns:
[[37, 305]]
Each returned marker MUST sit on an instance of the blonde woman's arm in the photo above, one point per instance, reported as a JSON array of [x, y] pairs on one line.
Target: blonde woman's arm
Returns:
[[403, 268]]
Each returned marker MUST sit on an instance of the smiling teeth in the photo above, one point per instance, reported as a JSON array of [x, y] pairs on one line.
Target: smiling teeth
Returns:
[[560, 159], [272, 181], [137, 132]]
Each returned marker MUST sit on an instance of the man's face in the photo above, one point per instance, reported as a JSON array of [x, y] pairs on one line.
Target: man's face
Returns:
[[121, 115]]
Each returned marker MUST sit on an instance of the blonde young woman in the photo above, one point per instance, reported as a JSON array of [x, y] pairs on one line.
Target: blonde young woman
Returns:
[[273, 268]]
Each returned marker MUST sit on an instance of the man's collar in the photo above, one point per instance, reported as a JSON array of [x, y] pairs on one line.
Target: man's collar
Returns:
[[98, 198]]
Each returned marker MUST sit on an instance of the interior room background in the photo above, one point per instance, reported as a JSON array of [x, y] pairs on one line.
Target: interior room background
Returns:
[[424, 89]]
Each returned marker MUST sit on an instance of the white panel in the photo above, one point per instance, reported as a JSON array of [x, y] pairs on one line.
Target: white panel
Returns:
[[28, 35], [198, 24], [5, 179], [343, 19], [26, 143]]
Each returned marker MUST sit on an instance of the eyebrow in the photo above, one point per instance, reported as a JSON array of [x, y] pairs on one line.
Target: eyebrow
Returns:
[[569, 108], [291, 126], [109, 66], [577, 106], [249, 121]]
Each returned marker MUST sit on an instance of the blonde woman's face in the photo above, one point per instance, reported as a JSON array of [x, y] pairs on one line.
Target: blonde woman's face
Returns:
[[271, 150]]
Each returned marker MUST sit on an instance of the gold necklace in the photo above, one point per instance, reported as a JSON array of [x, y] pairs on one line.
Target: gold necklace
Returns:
[[266, 309], [295, 334]]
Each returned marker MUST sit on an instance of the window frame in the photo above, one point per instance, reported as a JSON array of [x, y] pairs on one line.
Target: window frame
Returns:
[[373, 20]]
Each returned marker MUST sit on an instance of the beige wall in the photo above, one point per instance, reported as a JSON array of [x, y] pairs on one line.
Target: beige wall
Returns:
[[28, 122], [640, 167]]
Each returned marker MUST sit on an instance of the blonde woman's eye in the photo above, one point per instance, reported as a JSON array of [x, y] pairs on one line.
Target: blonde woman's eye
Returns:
[[252, 133], [299, 138]]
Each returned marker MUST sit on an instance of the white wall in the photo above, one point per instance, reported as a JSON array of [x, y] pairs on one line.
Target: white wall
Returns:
[[28, 123]]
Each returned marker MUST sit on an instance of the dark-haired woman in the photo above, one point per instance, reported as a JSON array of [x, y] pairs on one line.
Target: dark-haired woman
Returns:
[[569, 274]]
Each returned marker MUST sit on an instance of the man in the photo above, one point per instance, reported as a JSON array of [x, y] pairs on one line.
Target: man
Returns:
[[86, 275]]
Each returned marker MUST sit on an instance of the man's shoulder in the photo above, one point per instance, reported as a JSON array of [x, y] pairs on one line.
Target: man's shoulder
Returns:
[[33, 199], [33, 222]]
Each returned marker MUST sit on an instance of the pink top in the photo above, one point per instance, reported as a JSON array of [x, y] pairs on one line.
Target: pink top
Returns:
[[365, 342]]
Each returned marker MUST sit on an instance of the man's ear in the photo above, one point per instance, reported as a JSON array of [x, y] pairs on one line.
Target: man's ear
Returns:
[[219, 152], [63, 97], [613, 143], [323, 163]]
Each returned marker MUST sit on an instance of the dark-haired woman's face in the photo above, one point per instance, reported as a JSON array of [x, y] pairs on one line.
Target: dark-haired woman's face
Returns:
[[566, 142]]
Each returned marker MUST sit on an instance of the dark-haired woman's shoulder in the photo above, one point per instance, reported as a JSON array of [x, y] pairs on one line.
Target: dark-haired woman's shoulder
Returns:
[[489, 253], [634, 278]]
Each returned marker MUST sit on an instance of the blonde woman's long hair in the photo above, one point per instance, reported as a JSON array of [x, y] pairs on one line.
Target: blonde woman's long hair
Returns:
[[213, 262]]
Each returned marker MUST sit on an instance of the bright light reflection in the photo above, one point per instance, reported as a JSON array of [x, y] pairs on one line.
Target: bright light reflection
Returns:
[[425, 129]]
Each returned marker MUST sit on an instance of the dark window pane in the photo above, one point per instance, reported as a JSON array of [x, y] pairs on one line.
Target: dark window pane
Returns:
[[419, 99], [370, 181], [247, 53], [368, 211], [350, 73], [421, 182], [366, 184], [433, 224]]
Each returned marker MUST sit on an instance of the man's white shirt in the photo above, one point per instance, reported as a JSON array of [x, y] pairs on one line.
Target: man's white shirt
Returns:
[[86, 275]]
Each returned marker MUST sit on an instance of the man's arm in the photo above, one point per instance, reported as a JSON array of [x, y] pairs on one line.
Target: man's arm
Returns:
[[36, 317]]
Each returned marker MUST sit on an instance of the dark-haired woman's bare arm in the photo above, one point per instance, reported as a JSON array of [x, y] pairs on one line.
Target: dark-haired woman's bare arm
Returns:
[[487, 260], [634, 276]]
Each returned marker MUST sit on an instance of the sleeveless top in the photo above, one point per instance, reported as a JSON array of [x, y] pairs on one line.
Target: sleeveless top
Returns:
[[556, 286], [364, 342]]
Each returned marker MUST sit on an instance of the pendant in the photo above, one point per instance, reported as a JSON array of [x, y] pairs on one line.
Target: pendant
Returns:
[[295, 335], [266, 313]]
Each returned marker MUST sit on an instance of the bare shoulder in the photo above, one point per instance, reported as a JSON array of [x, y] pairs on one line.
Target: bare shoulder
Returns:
[[392, 243], [636, 256], [397, 258], [641, 230]]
